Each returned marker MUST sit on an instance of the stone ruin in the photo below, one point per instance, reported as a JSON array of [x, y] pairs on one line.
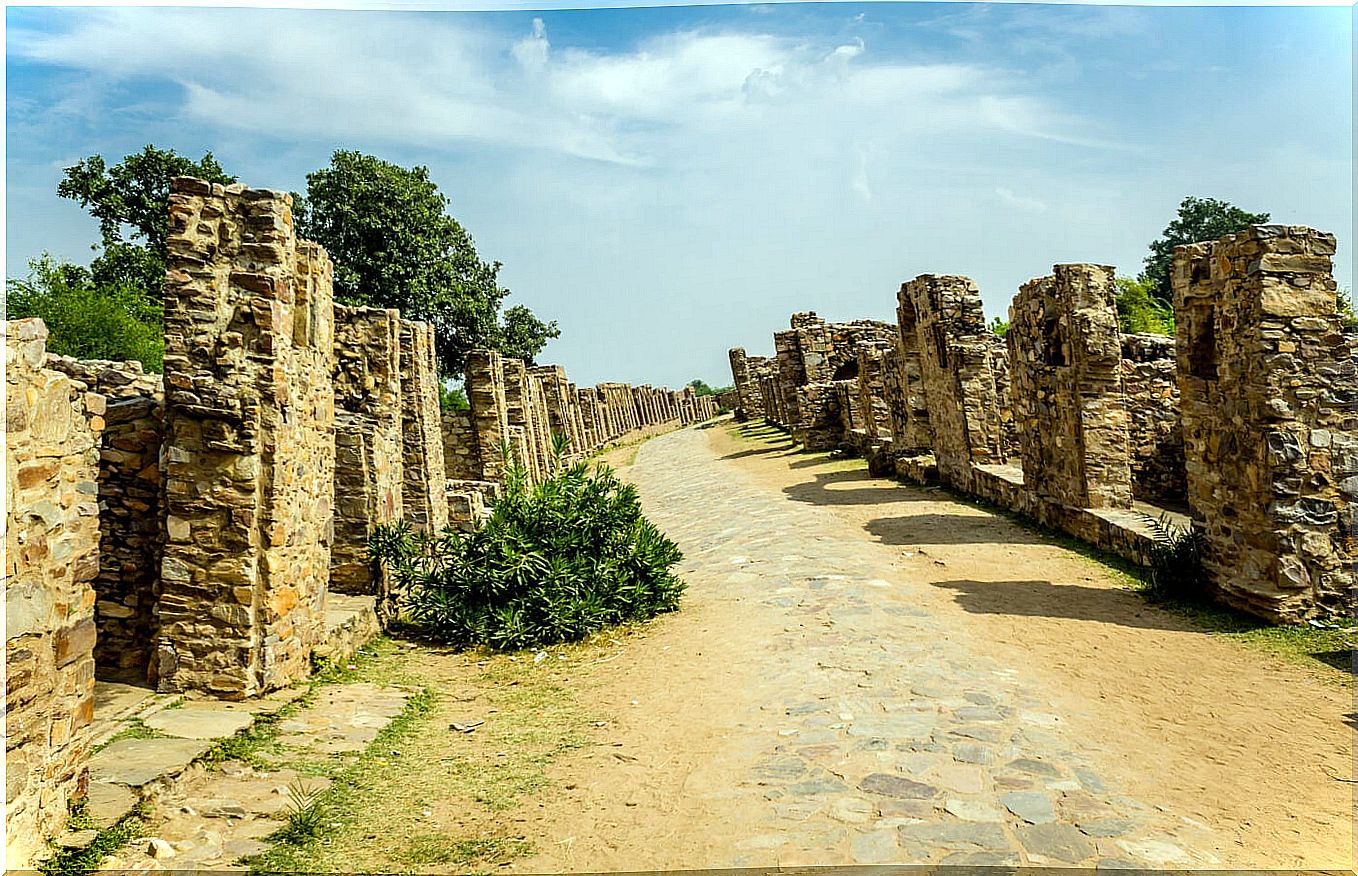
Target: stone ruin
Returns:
[[1243, 426], [519, 408], [206, 531]]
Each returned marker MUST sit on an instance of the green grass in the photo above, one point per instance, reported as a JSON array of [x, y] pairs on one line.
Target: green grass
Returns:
[[76, 862], [373, 809], [135, 729]]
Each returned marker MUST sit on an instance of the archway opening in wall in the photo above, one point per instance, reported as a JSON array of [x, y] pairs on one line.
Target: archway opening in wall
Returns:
[[847, 371]]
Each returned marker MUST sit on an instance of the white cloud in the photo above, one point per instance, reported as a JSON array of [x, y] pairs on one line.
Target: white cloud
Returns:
[[1007, 195]]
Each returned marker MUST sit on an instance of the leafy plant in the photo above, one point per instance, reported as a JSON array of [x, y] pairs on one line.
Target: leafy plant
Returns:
[[998, 327], [85, 319], [1138, 309], [554, 562], [1175, 570], [306, 815], [452, 398]]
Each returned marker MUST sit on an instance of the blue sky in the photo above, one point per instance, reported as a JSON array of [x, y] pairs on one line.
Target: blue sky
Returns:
[[670, 182]]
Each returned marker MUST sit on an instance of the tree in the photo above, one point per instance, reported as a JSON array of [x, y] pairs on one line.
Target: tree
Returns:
[[131, 201], [1139, 310], [998, 327], [523, 335], [1199, 219], [394, 245], [85, 319]]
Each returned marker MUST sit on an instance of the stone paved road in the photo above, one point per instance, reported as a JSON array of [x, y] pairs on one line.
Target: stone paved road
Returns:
[[881, 736]]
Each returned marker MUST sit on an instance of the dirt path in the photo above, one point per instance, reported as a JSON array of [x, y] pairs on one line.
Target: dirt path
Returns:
[[868, 673]]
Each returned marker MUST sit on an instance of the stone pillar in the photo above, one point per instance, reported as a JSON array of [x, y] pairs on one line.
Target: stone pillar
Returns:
[[872, 405], [958, 371], [1268, 381], [911, 433], [1066, 355], [423, 470], [249, 443], [369, 471], [750, 403], [490, 414], [51, 556], [1150, 385], [131, 520], [519, 417]]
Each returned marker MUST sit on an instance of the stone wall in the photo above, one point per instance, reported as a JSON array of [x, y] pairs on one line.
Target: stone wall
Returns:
[[1066, 356], [249, 443], [423, 474], [1150, 386], [130, 514], [1268, 382], [958, 363], [369, 459], [51, 557]]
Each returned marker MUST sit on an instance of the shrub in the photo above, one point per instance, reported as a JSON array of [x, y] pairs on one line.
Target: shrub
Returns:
[[1175, 571], [86, 320], [1139, 311], [554, 562]]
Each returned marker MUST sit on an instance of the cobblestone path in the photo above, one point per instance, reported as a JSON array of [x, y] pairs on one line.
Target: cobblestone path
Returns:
[[880, 736]]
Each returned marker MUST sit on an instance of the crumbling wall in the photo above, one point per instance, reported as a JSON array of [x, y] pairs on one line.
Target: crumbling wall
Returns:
[[422, 468], [131, 521], [249, 442], [872, 401], [957, 369], [1150, 385], [52, 554], [1268, 382], [911, 433], [1066, 355], [369, 470]]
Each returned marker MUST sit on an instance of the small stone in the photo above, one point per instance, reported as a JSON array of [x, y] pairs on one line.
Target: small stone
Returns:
[[1055, 842], [159, 848], [973, 810], [896, 786], [77, 839], [968, 752], [1032, 806]]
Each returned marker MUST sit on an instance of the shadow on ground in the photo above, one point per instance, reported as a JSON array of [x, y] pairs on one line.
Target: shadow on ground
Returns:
[[928, 529], [1073, 601], [829, 488]]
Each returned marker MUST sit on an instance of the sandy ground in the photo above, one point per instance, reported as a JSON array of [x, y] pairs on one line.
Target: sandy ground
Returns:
[[1254, 746]]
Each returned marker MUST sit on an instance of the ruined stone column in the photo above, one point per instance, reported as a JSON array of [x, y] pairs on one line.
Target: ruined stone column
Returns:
[[958, 371], [1066, 355], [423, 471], [911, 433], [872, 388], [51, 556], [486, 392], [1268, 379], [520, 417], [249, 443], [369, 471]]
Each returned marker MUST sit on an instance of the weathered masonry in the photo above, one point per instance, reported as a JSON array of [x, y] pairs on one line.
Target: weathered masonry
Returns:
[[1244, 426], [525, 409], [206, 531], [1268, 381], [52, 429]]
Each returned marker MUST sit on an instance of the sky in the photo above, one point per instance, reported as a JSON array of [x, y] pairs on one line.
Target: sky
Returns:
[[670, 182]]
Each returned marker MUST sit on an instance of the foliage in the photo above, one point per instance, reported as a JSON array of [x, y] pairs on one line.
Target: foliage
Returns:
[[700, 387], [1347, 316], [1139, 311], [394, 245], [71, 861], [555, 561], [522, 335], [998, 327], [87, 320], [131, 201], [1198, 219], [1175, 570], [305, 813], [452, 398]]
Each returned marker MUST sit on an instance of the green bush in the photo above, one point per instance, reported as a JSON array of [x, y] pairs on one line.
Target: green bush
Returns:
[[1139, 311], [86, 320], [1175, 572], [554, 562]]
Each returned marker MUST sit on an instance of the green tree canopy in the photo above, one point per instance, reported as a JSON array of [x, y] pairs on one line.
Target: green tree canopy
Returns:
[[1138, 309], [1198, 219], [394, 245], [131, 201], [85, 319]]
